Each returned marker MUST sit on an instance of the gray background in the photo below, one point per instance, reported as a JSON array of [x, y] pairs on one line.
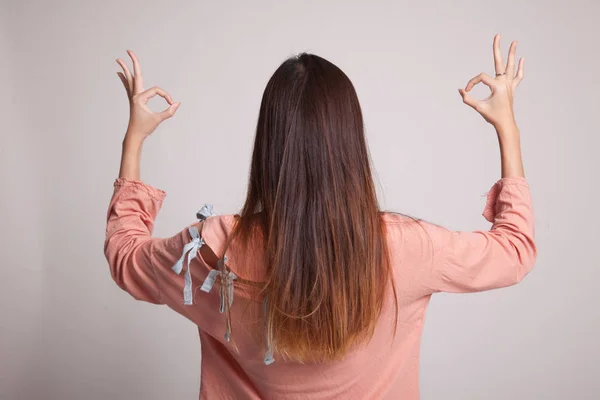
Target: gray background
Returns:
[[68, 332]]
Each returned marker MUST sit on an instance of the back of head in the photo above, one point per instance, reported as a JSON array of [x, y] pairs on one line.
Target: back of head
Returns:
[[312, 197]]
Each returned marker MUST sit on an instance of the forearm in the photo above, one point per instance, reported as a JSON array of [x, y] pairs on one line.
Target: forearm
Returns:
[[130, 157], [509, 139]]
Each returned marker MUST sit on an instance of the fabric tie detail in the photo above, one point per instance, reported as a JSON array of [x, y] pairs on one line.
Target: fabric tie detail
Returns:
[[228, 278], [268, 353], [192, 250], [205, 212]]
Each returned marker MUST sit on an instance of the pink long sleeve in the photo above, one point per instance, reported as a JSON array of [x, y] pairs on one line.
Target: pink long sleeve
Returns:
[[128, 243], [142, 265], [482, 260]]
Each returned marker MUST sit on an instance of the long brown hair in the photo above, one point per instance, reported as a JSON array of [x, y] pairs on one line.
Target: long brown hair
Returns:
[[312, 198]]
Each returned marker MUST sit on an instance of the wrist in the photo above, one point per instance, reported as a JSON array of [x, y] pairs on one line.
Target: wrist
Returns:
[[132, 141], [507, 130]]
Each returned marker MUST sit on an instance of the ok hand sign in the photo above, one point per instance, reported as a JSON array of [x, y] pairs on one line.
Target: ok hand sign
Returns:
[[142, 120], [497, 108]]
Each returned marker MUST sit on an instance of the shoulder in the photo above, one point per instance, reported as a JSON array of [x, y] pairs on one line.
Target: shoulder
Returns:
[[392, 218], [405, 228], [216, 231]]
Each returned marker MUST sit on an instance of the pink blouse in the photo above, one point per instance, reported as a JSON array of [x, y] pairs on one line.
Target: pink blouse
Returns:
[[426, 258]]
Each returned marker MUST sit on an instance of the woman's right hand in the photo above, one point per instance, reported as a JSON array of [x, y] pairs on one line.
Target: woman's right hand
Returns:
[[497, 108]]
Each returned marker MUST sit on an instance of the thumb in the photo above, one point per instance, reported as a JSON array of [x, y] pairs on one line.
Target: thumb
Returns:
[[169, 112], [467, 99]]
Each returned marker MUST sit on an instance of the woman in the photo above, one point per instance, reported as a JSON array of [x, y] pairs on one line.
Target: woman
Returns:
[[318, 293]]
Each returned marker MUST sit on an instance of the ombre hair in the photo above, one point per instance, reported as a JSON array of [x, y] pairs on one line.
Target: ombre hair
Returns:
[[312, 198]]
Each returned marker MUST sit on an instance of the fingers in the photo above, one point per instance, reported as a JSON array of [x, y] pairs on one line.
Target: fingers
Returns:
[[510, 65], [520, 72], [134, 84], [468, 100], [138, 82], [169, 112], [498, 63], [485, 78], [125, 83], [128, 78], [153, 91]]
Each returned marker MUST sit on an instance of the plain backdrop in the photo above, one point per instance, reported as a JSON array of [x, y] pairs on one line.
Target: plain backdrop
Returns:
[[68, 332]]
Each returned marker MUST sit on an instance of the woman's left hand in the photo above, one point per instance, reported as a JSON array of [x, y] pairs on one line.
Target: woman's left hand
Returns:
[[142, 120]]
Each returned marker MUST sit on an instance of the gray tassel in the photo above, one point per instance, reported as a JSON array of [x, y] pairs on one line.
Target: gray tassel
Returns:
[[268, 353]]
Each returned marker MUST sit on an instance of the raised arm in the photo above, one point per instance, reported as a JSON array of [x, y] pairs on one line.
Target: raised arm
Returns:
[[142, 120], [502, 256], [129, 246]]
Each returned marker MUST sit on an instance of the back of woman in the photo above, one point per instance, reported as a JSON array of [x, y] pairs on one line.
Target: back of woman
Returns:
[[311, 291]]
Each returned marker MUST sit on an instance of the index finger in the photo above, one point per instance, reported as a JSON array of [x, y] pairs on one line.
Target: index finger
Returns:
[[138, 80], [499, 65], [485, 78]]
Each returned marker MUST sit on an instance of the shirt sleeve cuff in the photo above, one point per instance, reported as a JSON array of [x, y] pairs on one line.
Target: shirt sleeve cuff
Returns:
[[489, 211], [151, 191]]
